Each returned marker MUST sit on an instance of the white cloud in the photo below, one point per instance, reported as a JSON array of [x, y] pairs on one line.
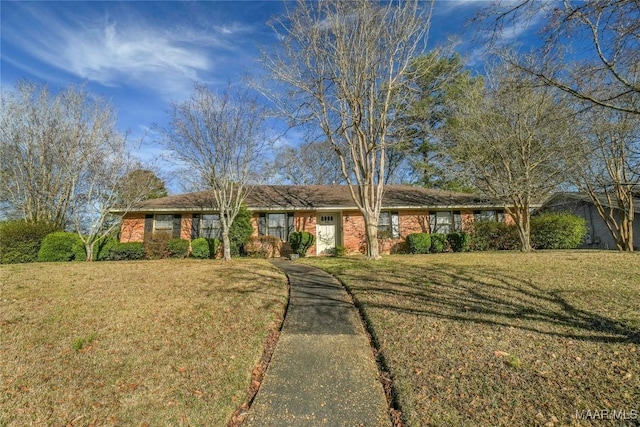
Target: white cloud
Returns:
[[125, 50]]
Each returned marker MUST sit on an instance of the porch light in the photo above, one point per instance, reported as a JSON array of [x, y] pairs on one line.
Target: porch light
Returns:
[[347, 217]]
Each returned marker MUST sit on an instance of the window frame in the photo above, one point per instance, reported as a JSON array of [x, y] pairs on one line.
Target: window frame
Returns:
[[389, 224], [163, 229]]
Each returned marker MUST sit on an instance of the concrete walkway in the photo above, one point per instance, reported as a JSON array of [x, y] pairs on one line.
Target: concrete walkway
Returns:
[[323, 372]]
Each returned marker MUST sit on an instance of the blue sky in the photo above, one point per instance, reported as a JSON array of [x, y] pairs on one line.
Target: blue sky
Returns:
[[142, 55]]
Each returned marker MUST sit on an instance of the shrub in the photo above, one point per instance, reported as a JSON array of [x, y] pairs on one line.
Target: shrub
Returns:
[[240, 232], [438, 243], [339, 251], [59, 246], [557, 231], [125, 251], [102, 248], [419, 243], [156, 246], [494, 236], [200, 248], [263, 247], [459, 241], [301, 241], [20, 241], [79, 251], [178, 248]]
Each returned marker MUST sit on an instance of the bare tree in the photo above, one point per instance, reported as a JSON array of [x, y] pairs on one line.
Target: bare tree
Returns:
[[510, 140], [609, 169], [591, 49], [220, 139], [47, 143], [340, 63], [308, 164], [105, 192]]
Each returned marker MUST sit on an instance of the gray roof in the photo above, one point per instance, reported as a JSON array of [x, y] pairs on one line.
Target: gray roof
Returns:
[[564, 198], [322, 197]]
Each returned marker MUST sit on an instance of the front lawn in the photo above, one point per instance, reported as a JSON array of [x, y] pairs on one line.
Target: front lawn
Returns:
[[149, 343], [505, 339]]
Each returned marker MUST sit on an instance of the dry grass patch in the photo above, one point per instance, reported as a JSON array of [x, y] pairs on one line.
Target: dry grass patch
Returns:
[[504, 339], [169, 342]]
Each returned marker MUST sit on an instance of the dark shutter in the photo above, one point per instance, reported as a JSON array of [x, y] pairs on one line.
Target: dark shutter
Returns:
[[290, 225], [177, 225], [195, 226], [148, 226], [262, 224]]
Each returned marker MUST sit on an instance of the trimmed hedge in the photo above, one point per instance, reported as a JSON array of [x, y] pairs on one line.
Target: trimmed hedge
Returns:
[[301, 241], [156, 246], [419, 243], [200, 248], [494, 236], [557, 231], [459, 241], [60, 246], [438, 243], [125, 251], [20, 241], [178, 248]]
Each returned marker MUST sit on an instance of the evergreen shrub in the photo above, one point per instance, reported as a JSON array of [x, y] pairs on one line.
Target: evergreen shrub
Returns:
[[20, 241], [59, 246], [419, 243], [557, 231]]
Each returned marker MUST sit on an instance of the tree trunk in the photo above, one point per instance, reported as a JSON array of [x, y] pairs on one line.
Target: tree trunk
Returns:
[[226, 245], [88, 247], [371, 229], [523, 225]]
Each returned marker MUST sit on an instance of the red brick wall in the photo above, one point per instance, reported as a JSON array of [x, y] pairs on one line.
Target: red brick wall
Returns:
[[132, 228], [185, 226]]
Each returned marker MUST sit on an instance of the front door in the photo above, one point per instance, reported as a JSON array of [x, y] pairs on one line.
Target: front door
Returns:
[[326, 233]]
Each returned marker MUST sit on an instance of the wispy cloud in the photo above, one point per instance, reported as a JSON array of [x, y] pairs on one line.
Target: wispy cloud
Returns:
[[124, 49]]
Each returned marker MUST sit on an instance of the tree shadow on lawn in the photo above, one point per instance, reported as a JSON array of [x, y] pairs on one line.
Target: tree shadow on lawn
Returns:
[[485, 296]]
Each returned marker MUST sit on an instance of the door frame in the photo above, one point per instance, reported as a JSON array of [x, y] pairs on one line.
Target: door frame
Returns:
[[337, 220]]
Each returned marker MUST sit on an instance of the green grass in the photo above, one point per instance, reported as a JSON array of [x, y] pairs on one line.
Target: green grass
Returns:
[[504, 339], [170, 342]]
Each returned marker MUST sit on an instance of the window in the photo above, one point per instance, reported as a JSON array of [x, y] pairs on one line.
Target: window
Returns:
[[275, 224], [210, 226], [443, 222], [489, 215], [389, 225], [163, 223]]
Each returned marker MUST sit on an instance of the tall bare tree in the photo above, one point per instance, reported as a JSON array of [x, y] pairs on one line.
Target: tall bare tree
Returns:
[[220, 139], [47, 142], [308, 164], [511, 139], [105, 192], [340, 63], [609, 169], [590, 49]]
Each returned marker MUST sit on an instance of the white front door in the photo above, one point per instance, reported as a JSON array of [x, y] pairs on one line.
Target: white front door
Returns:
[[326, 233]]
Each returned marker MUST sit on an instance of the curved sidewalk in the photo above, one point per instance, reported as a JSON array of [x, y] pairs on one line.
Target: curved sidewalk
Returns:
[[322, 371]]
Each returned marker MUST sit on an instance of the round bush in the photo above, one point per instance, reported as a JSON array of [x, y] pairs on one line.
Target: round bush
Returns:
[[20, 241], [419, 243], [200, 248], [178, 248], [59, 246], [459, 241], [438, 243], [557, 231]]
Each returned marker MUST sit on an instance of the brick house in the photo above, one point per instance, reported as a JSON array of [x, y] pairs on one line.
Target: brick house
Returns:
[[327, 211]]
